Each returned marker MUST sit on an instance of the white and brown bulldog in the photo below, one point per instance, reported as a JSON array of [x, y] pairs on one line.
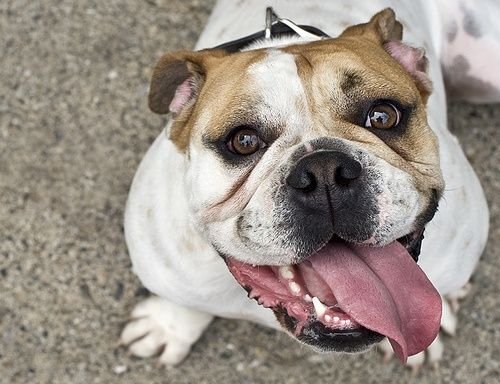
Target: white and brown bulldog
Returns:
[[301, 171]]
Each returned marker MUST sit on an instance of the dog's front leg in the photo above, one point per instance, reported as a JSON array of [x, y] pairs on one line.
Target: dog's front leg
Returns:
[[158, 326]]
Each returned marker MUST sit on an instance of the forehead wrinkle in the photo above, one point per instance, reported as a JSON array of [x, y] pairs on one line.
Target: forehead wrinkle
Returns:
[[355, 69], [354, 85]]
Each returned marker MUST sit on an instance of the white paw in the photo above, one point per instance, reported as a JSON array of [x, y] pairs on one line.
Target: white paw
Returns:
[[434, 352], [455, 297], [160, 326]]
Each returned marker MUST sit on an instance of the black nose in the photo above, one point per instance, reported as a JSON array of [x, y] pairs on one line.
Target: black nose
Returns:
[[329, 168]]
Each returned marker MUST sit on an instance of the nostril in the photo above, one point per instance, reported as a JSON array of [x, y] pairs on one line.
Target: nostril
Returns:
[[347, 172], [304, 181], [311, 182]]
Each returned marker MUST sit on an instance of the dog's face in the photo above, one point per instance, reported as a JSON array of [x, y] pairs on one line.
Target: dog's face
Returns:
[[305, 160]]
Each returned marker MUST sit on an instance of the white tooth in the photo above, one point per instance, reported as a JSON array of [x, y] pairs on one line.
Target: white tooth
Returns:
[[328, 318], [294, 287], [286, 272], [348, 322], [336, 319], [342, 323], [307, 298], [319, 307]]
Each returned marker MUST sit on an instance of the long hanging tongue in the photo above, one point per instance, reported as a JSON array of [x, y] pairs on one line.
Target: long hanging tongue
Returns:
[[384, 290]]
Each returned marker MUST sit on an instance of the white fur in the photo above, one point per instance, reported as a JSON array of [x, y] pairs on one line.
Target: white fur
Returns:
[[157, 225], [159, 325], [276, 80], [396, 220]]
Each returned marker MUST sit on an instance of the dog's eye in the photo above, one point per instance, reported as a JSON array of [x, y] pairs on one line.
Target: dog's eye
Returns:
[[383, 116], [245, 141]]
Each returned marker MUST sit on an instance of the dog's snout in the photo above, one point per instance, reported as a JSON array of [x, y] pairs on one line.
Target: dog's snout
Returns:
[[330, 192], [323, 168]]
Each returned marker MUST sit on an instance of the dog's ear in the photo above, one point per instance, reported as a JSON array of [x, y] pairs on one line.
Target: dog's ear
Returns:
[[384, 29], [414, 61], [177, 79], [381, 28]]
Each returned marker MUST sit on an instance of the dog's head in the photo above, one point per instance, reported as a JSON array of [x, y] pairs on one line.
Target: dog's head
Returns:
[[312, 170]]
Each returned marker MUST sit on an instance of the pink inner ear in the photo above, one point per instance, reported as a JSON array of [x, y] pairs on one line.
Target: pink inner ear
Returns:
[[413, 60], [182, 95]]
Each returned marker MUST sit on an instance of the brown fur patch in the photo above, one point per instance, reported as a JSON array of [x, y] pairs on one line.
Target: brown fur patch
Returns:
[[220, 81]]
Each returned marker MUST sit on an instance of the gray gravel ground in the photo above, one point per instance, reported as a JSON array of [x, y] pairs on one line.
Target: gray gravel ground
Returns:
[[73, 127]]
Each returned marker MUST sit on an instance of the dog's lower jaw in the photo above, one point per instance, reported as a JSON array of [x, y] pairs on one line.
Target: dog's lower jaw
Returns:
[[324, 339], [351, 340]]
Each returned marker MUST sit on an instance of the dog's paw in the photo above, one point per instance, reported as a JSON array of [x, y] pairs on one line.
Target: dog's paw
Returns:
[[158, 326], [434, 352]]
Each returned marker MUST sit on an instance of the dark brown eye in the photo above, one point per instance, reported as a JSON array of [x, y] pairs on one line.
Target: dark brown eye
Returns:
[[245, 141], [383, 116]]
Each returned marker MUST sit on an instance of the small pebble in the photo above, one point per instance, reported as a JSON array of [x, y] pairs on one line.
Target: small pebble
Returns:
[[120, 369]]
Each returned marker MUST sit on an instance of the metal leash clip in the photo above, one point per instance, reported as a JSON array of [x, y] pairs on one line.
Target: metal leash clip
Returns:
[[272, 18]]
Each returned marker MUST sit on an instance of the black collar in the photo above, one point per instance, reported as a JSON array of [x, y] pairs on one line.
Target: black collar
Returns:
[[275, 27]]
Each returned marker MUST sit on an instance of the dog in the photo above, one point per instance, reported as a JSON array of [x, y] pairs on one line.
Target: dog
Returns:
[[301, 167]]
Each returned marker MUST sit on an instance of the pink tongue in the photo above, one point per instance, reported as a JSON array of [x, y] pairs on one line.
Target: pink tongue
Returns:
[[384, 290]]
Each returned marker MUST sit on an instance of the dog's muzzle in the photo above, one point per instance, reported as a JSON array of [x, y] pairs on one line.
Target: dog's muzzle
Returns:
[[342, 295]]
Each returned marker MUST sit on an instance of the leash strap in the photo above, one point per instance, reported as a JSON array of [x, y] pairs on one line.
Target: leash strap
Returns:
[[275, 27]]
